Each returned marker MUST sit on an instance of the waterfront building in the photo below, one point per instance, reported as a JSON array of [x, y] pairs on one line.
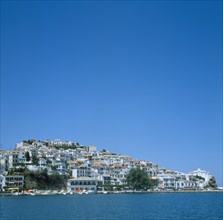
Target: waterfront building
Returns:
[[106, 179], [82, 183], [14, 182], [186, 185], [167, 181]]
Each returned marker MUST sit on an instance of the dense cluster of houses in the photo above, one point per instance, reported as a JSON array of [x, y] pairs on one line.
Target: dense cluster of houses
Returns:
[[86, 167]]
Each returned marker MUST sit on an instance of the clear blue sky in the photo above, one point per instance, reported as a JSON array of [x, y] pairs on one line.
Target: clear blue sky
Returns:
[[142, 78]]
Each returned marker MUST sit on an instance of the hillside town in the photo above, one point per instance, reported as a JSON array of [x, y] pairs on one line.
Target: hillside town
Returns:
[[84, 169]]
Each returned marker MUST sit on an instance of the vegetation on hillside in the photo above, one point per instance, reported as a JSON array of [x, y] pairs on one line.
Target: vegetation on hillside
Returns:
[[199, 178], [30, 142], [65, 147], [40, 179], [35, 160], [27, 156], [212, 183]]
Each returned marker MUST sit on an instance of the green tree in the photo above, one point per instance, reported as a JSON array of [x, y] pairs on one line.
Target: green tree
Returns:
[[27, 156], [137, 178], [48, 162], [212, 183], [35, 160], [54, 168], [152, 183]]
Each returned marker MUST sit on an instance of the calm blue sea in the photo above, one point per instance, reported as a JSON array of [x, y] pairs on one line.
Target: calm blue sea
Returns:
[[114, 206]]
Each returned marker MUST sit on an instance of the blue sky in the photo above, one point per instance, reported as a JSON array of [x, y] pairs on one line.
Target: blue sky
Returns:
[[142, 78]]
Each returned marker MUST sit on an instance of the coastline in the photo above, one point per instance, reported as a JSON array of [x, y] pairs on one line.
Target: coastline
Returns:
[[64, 193]]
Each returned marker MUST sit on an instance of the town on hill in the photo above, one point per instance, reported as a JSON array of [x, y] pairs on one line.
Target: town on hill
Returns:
[[69, 167]]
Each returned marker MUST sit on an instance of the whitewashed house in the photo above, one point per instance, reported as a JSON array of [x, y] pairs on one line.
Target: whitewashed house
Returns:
[[201, 173], [81, 171], [166, 181], [82, 183], [186, 185]]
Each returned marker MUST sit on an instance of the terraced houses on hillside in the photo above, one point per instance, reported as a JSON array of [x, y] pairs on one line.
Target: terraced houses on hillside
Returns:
[[76, 161]]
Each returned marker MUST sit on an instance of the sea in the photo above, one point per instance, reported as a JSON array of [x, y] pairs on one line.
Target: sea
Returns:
[[114, 206]]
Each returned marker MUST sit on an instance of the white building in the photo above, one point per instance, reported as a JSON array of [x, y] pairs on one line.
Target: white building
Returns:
[[81, 171], [42, 162], [13, 182], [21, 156], [82, 183], [2, 178], [201, 173], [2, 165], [186, 184], [60, 168], [167, 181], [20, 144]]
